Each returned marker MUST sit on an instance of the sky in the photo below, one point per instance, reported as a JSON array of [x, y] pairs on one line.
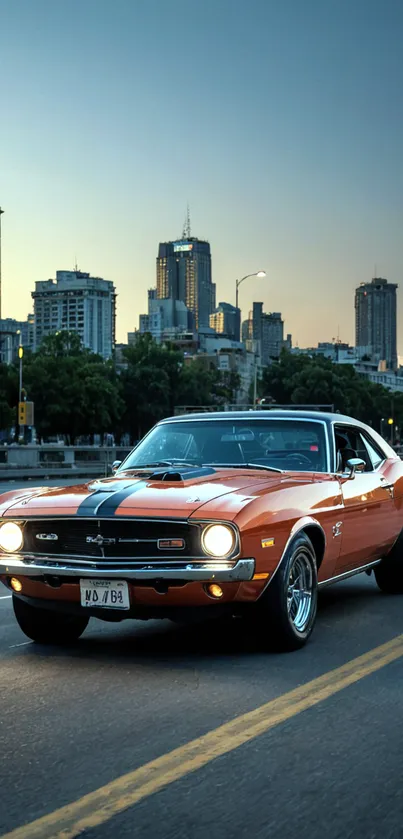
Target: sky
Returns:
[[280, 122]]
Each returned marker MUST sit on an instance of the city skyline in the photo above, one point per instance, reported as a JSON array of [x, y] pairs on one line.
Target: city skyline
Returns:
[[288, 153]]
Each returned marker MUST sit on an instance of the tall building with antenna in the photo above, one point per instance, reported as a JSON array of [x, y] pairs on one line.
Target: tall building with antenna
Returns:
[[184, 273]]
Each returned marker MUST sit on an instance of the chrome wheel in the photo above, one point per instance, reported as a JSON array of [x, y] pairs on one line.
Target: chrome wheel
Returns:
[[299, 591], [286, 612]]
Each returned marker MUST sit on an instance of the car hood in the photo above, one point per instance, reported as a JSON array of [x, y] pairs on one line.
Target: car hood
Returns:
[[145, 496]]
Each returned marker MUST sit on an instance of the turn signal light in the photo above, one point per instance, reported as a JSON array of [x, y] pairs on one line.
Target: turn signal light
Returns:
[[16, 584], [215, 591]]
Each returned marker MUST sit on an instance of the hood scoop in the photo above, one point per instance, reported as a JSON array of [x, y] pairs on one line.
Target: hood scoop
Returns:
[[184, 473]]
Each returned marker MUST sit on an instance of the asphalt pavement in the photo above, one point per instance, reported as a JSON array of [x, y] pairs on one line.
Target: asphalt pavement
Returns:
[[78, 718]]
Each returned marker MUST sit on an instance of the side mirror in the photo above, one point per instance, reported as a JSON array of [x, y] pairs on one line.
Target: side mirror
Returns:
[[115, 466], [355, 464]]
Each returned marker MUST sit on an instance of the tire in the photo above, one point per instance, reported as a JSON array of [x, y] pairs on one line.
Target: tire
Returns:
[[46, 626], [389, 572], [284, 621]]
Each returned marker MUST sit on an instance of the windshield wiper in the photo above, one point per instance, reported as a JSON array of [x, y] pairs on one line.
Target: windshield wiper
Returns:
[[155, 463], [245, 466]]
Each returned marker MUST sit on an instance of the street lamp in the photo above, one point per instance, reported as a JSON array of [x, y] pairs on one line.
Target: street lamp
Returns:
[[238, 282], [20, 356]]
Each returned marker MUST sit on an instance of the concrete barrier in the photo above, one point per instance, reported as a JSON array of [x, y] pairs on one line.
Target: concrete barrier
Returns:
[[58, 461]]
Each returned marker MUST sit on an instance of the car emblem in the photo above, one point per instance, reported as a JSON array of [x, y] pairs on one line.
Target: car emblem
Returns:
[[48, 537], [99, 540], [337, 528]]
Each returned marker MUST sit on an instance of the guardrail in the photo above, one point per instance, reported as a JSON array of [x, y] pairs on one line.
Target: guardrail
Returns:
[[58, 461]]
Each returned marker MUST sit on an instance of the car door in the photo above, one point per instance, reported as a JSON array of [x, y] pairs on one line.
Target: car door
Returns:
[[370, 520]]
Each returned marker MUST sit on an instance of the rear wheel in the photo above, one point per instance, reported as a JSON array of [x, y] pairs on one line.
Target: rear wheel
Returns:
[[46, 626], [286, 611]]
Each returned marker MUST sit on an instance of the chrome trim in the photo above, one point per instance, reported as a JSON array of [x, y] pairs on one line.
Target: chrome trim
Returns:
[[337, 529], [100, 540], [235, 546], [33, 555], [347, 574], [204, 572], [74, 517]]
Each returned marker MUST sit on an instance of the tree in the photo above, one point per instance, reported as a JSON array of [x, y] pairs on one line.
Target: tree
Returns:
[[75, 391], [301, 379], [157, 378], [8, 396], [7, 415]]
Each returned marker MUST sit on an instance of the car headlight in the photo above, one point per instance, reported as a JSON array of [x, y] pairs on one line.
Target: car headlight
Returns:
[[11, 537], [218, 540]]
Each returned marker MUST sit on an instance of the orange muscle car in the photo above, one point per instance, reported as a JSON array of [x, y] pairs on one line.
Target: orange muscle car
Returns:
[[249, 512]]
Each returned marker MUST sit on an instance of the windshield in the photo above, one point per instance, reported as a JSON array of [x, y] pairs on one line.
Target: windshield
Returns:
[[297, 445]]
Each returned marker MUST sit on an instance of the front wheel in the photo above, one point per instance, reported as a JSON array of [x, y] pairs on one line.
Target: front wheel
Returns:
[[46, 626], [286, 612]]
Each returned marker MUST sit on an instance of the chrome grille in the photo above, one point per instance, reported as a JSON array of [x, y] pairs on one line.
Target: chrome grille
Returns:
[[121, 538]]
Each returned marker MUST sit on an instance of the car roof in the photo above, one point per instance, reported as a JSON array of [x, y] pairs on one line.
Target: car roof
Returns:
[[262, 415]]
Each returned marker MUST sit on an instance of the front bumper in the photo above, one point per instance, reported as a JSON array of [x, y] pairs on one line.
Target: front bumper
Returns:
[[224, 571]]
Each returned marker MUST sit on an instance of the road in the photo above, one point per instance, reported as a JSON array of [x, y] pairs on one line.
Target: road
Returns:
[[76, 719]]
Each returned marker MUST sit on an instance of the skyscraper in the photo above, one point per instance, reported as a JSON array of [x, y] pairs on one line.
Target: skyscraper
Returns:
[[80, 303], [184, 273], [375, 320]]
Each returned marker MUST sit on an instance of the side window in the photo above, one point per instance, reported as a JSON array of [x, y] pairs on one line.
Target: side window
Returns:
[[350, 443], [375, 455]]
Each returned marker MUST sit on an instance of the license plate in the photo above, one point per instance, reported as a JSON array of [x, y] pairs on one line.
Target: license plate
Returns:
[[105, 594]]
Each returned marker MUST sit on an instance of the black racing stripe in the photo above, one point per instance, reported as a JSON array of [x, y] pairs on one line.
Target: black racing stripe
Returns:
[[110, 504], [90, 504], [112, 501]]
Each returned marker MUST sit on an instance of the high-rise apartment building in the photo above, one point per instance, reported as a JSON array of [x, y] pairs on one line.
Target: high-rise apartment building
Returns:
[[184, 273], [226, 320], [375, 320], [267, 333], [79, 303], [165, 317], [12, 334]]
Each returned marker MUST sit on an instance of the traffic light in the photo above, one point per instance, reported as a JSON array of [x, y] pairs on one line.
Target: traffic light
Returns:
[[22, 413], [390, 421], [26, 413]]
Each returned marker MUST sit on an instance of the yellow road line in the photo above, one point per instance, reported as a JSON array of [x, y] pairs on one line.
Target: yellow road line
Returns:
[[99, 806]]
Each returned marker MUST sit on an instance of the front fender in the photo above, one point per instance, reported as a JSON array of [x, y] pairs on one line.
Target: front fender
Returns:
[[269, 558]]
